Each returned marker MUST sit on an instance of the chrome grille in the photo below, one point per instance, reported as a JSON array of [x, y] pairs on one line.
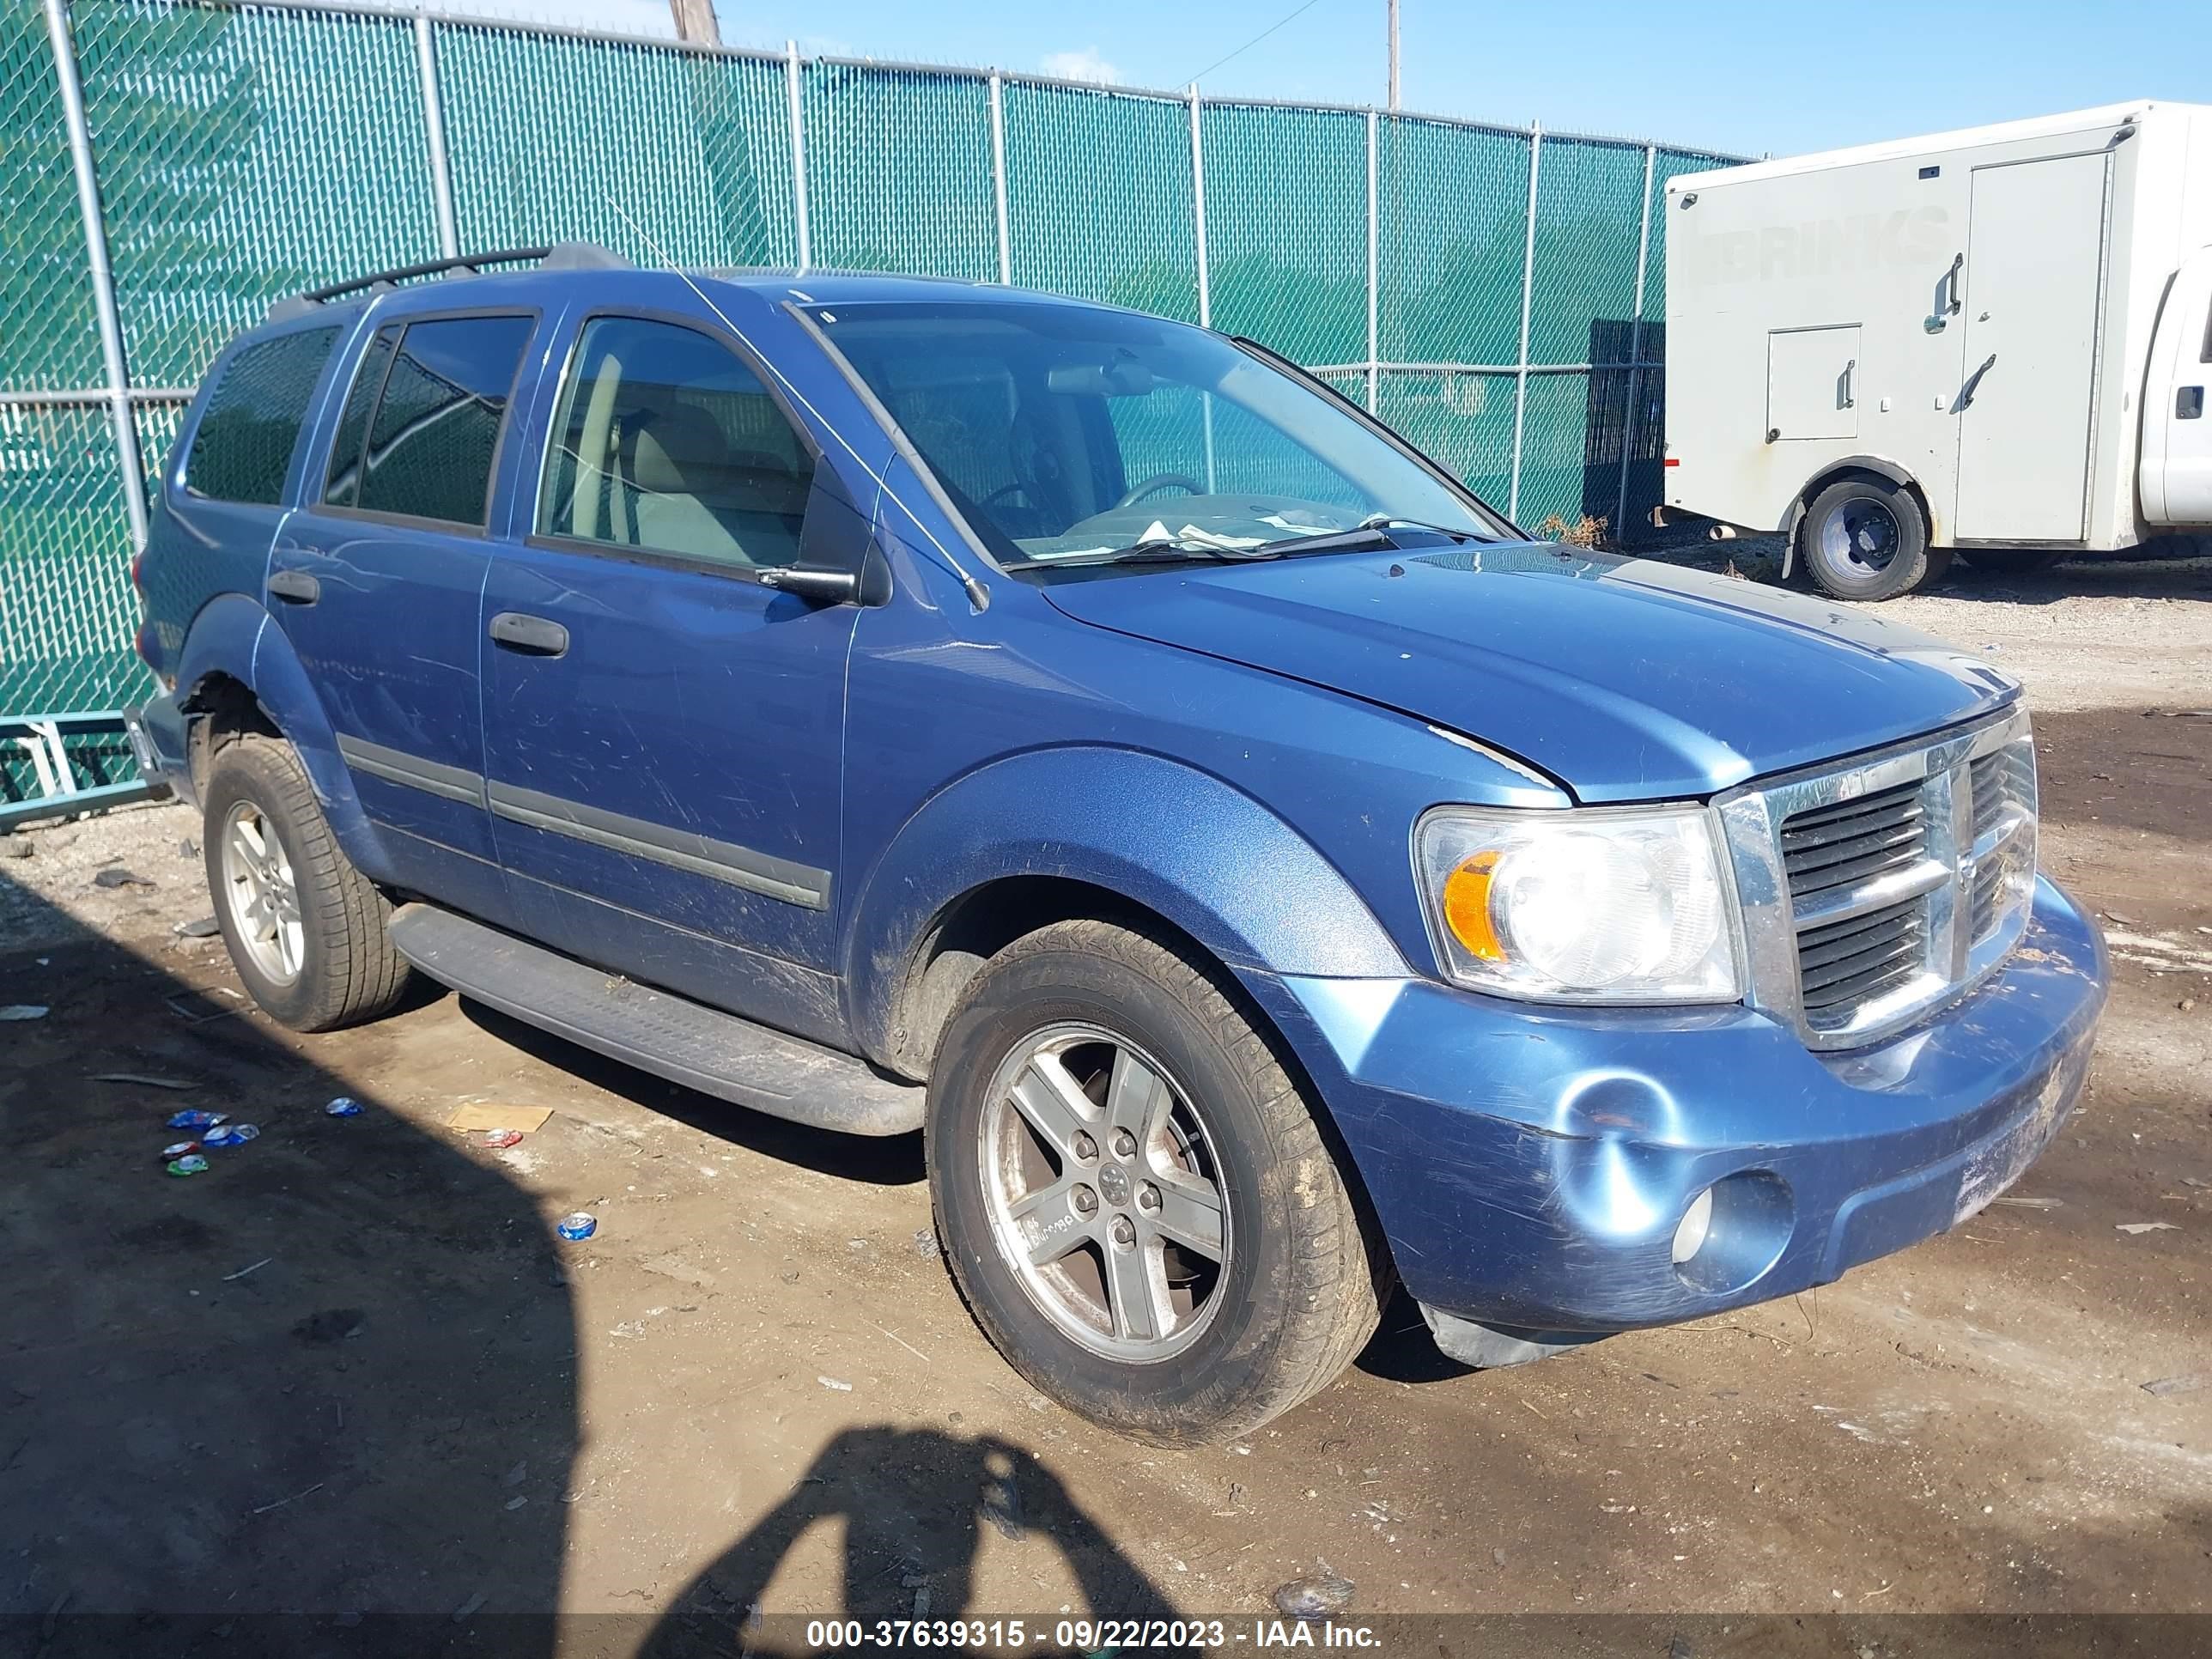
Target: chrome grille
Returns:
[[1853, 841], [1874, 890], [1842, 964]]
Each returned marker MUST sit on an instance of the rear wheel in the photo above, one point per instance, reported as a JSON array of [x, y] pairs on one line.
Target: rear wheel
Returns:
[[1136, 1197], [1866, 538], [305, 929], [2012, 561]]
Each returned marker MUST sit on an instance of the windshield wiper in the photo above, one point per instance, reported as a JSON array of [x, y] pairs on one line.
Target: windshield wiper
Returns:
[[1171, 551], [1368, 533], [1391, 521]]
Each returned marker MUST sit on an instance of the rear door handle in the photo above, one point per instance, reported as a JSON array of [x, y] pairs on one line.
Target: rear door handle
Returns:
[[534, 635], [2188, 404], [295, 588]]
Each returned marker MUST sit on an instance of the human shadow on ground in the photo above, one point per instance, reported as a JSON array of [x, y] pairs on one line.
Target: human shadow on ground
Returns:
[[913, 1505]]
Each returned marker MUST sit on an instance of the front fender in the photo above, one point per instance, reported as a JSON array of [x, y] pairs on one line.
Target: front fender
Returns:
[[233, 635], [1193, 849]]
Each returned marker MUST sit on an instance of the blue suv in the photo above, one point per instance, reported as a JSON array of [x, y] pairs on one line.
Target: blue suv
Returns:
[[1260, 872]]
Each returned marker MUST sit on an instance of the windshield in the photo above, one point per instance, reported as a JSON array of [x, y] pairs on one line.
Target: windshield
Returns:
[[1068, 433]]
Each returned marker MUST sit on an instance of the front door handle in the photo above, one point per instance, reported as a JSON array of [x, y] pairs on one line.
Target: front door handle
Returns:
[[2188, 404], [532, 635], [295, 588]]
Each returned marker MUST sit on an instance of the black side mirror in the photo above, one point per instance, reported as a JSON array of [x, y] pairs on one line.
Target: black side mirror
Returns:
[[839, 562], [817, 584]]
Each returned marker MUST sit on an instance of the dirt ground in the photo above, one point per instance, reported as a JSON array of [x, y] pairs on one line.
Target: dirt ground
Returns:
[[351, 1370]]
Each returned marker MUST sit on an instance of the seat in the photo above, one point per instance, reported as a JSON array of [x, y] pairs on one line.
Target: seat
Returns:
[[678, 474]]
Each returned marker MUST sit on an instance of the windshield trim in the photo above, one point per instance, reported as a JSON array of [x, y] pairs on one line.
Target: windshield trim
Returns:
[[905, 447]]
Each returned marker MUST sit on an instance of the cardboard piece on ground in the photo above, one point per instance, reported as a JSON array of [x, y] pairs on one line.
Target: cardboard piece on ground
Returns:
[[479, 1116]]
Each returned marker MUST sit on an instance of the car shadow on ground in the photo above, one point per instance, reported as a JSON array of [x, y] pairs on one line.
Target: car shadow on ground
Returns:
[[886, 1161], [332, 1375], [2179, 569], [323, 1393]]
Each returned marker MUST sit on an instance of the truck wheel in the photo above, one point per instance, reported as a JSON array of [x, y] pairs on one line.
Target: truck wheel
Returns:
[[1865, 538], [305, 929], [2012, 561], [1135, 1198]]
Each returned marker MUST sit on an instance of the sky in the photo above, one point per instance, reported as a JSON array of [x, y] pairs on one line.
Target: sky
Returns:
[[1743, 78]]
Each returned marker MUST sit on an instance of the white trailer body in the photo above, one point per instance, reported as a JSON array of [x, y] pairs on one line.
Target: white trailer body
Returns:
[[2011, 326]]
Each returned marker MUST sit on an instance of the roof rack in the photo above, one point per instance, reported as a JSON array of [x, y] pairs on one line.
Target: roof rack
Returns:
[[559, 256]]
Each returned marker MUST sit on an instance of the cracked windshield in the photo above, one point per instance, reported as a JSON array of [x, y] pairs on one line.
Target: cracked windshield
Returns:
[[1087, 437]]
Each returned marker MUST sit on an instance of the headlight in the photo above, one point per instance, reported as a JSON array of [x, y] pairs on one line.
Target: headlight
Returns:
[[1596, 906]]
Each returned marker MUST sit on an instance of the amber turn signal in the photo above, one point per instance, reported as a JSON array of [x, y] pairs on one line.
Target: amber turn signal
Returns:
[[1467, 906]]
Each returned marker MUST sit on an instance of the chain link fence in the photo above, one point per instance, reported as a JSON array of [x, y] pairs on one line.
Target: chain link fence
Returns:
[[1486, 290]]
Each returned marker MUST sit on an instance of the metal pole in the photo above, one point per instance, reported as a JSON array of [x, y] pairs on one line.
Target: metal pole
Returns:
[[434, 121], [1205, 289], [1198, 211], [1527, 291], [999, 175], [102, 274], [1393, 54], [1374, 268], [798, 155], [1635, 349]]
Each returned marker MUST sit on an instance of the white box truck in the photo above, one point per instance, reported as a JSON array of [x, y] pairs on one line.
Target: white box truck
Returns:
[[1995, 341]]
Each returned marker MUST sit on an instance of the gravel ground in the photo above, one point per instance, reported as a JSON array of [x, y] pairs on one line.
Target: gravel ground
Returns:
[[352, 1371]]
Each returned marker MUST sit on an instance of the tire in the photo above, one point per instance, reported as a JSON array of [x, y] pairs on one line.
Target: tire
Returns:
[[1297, 1287], [322, 958], [2012, 561], [1866, 538]]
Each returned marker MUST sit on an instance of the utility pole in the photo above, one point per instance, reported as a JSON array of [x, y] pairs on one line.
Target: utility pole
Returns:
[[1393, 53], [695, 21]]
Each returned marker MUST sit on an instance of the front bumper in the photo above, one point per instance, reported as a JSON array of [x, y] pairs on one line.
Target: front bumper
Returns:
[[1530, 1165]]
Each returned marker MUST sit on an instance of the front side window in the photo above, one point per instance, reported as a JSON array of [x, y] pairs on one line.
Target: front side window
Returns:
[[667, 442], [243, 447], [1070, 434], [421, 425]]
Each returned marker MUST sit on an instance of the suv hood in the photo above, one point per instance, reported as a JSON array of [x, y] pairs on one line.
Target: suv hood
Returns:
[[1622, 679]]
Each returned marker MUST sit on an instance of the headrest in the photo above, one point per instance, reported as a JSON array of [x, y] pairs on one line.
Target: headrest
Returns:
[[679, 450]]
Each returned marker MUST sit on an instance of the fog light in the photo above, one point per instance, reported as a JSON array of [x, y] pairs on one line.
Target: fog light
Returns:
[[1697, 1224], [1734, 1231]]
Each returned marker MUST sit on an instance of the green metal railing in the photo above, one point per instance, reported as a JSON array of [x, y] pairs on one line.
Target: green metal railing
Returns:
[[1486, 289]]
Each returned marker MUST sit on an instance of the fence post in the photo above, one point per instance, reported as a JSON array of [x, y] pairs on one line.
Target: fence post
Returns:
[[1205, 288], [1198, 211], [1528, 290], [998, 176], [1635, 350], [102, 274], [798, 155], [433, 122], [1374, 262]]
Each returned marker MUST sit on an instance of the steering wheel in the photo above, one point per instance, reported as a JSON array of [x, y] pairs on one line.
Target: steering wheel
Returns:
[[1158, 482], [1004, 492]]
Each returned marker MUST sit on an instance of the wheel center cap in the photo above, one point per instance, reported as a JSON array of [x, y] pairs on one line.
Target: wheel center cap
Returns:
[[1113, 1184]]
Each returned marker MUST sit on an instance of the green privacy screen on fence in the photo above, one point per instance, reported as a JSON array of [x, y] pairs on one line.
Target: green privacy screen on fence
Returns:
[[244, 152]]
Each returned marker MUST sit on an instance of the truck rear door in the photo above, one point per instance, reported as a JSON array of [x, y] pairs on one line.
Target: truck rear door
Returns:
[[2031, 292], [2177, 431]]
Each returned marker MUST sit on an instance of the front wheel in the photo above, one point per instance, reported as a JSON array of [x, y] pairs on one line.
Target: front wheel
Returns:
[[1136, 1197], [1866, 538]]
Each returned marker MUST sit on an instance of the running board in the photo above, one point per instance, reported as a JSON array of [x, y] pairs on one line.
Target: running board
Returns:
[[669, 1036]]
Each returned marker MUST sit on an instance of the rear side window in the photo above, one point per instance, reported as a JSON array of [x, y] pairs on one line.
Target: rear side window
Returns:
[[667, 442], [422, 424], [243, 447]]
